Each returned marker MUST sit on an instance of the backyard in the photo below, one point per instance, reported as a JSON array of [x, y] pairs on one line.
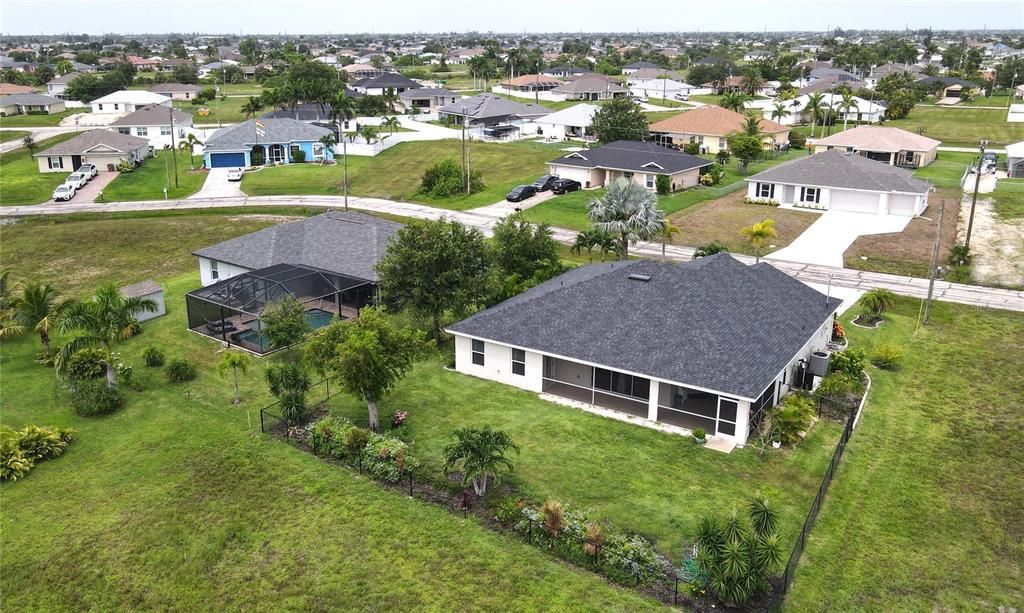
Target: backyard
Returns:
[[961, 127], [22, 182]]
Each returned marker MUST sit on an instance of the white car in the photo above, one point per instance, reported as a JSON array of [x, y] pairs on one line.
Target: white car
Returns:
[[235, 174], [76, 180], [88, 170], [683, 97], [64, 192]]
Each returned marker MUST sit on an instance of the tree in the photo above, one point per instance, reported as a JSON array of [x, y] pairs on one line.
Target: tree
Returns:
[[369, 354], [589, 239], [63, 66], [236, 362], [284, 323], [434, 267], [709, 249], [737, 559], [757, 234], [877, 301], [391, 123], [369, 133], [188, 146], [250, 49], [815, 100], [39, 307], [390, 97], [102, 322], [628, 211], [185, 73], [779, 112], [252, 107], [289, 382], [29, 143], [480, 454], [342, 110], [667, 231], [752, 81], [43, 74], [745, 147], [328, 141], [620, 119], [734, 101], [752, 125], [848, 103], [525, 250]]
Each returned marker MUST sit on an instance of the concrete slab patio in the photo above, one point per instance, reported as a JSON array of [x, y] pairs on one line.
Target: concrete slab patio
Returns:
[[828, 238]]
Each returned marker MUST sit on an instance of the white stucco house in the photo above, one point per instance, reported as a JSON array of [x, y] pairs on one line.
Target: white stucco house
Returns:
[[128, 101], [569, 123], [839, 181], [159, 124], [723, 341]]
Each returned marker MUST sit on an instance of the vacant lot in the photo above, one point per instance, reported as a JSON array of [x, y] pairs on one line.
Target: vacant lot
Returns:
[[909, 252], [962, 126], [22, 183], [228, 110], [1009, 199], [9, 135], [926, 511], [33, 121]]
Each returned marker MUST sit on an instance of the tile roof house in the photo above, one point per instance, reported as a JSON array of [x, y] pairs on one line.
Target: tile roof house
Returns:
[[490, 109], [7, 89], [634, 160], [529, 83], [262, 141], [103, 148], [839, 181], [721, 341], [177, 91], [890, 145], [154, 122], [710, 125], [21, 104]]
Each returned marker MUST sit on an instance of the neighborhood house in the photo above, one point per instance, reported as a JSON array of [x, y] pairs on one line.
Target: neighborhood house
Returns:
[[638, 161], [266, 141], [155, 123], [105, 149], [890, 145], [710, 126], [127, 101], [23, 104]]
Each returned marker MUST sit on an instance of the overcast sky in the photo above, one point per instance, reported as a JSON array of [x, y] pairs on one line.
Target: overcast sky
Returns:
[[337, 16]]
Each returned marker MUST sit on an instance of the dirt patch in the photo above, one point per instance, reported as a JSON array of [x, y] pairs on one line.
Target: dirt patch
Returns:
[[722, 219], [909, 252], [996, 244]]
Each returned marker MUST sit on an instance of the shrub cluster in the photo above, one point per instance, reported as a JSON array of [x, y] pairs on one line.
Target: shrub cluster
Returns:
[[93, 397], [792, 417], [153, 357], [850, 362], [22, 449], [447, 178], [180, 370], [761, 201], [887, 356], [385, 457], [84, 364]]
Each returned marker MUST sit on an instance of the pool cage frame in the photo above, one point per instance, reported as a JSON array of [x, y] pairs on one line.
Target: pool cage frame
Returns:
[[232, 310]]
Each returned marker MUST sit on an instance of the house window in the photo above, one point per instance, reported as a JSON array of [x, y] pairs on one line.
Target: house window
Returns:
[[142, 131], [518, 362], [318, 150], [292, 150], [55, 162], [627, 175], [124, 131], [165, 130], [101, 107], [478, 352], [214, 271], [810, 194], [650, 181], [116, 106], [765, 190], [721, 142], [622, 384]]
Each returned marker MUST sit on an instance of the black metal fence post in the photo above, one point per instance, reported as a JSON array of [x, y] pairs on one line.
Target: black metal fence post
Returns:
[[675, 595], [262, 429]]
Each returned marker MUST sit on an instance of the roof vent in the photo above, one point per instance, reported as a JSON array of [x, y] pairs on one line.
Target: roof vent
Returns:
[[644, 278]]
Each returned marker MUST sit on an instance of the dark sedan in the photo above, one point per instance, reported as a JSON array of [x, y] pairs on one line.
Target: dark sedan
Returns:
[[564, 186], [545, 183], [520, 193]]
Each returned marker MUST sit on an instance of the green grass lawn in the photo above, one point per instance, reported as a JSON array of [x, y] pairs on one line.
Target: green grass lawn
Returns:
[[33, 121], [1009, 198], [926, 511], [147, 182], [947, 169], [9, 135], [1000, 99], [228, 110], [22, 183], [248, 88], [553, 105], [962, 127], [396, 172], [656, 116]]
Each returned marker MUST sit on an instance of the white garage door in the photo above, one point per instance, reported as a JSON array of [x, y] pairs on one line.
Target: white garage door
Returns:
[[857, 202], [902, 205], [571, 172]]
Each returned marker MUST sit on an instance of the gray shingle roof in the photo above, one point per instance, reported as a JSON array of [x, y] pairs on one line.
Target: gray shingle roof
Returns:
[[88, 140], [174, 87], [589, 84], [29, 99], [426, 92], [276, 130], [843, 170], [343, 243], [713, 323], [154, 115], [489, 106], [140, 289], [388, 79], [64, 78], [633, 156]]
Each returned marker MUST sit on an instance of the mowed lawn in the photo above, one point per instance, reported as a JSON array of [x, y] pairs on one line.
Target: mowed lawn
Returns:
[[33, 121], [396, 173], [9, 135], [963, 127], [147, 182], [1009, 198], [947, 169], [228, 110], [926, 511], [20, 179]]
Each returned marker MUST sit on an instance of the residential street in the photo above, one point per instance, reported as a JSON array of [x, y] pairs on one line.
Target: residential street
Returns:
[[840, 277]]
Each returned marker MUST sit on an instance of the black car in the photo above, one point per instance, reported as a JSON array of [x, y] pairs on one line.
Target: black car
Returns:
[[520, 193], [545, 183], [564, 186]]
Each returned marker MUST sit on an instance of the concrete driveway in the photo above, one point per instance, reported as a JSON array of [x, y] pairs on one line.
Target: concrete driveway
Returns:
[[505, 208], [90, 190], [828, 238], [218, 186]]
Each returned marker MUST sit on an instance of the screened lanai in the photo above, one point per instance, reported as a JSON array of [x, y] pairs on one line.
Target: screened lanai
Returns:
[[232, 310]]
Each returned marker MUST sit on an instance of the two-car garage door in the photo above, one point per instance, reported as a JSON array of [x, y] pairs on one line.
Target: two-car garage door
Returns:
[[857, 202], [227, 160]]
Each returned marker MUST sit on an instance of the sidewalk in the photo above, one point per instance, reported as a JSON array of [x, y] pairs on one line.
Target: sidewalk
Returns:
[[860, 280]]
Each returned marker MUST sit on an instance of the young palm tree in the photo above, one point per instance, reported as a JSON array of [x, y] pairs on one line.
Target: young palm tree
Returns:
[[39, 307], [63, 66], [733, 101], [9, 327], [342, 110], [391, 123], [369, 133], [390, 97], [481, 454], [779, 112], [188, 146], [667, 231], [628, 211], [877, 301], [236, 362], [848, 103], [102, 321], [813, 106], [758, 234], [252, 107], [328, 141], [752, 125]]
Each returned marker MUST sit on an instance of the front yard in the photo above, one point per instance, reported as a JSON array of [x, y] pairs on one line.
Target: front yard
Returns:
[[22, 183], [39, 121], [9, 135], [147, 182]]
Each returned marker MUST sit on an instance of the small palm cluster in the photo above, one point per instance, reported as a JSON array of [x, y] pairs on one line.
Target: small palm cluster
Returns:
[[481, 453]]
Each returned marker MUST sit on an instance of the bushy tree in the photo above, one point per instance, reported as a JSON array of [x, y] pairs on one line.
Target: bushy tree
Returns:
[[284, 323], [289, 382], [525, 250], [480, 454], [620, 119], [447, 178], [745, 147]]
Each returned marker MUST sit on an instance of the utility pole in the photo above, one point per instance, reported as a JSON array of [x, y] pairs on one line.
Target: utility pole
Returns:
[[974, 199], [174, 152], [935, 262], [465, 163]]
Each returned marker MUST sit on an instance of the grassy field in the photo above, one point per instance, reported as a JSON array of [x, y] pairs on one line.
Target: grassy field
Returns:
[[22, 183], [926, 511], [947, 169], [148, 181], [249, 88], [396, 173], [553, 105], [228, 110], [9, 135], [962, 127], [34, 121], [1009, 198]]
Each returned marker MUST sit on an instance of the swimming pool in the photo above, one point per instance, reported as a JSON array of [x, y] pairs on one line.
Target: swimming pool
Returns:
[[317, 318]]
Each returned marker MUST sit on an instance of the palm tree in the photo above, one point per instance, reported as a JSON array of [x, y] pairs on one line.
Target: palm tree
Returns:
[[252, 106], [342, 110], [63, 66], [480, 453], [733, 101], [102, 321], [752, 125], [757, 234], [188, 146], [234, 361], [628, 211], [390, 97], [39, 307], [752, 81], [328, 141], [877, 301], [391, 123], [814, 104], [514, 59], [369, 133], [848, 102], [779, 112], [8, 325], [667, 231]]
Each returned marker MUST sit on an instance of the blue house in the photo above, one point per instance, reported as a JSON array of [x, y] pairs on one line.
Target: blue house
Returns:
[[265, 141]]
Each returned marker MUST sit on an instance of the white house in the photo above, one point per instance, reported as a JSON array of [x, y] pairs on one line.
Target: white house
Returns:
[[159, 124], [840, 181], [127, 101], [661, 88], [570, 123], [1015, 160], [721, 343]]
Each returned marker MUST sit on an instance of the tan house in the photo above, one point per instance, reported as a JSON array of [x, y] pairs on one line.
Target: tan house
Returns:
[[638, 161], [103, 148], [531, 83], [893, 146], [177, 91], [6, 89], [710, 125], [23, 104]]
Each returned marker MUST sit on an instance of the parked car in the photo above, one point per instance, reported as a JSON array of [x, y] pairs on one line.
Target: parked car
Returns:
[[564, 186], [235, 174], [520, 193], [77, 180], [683, 97], [544, 183], [64, 192], [636, 98], [89, 170]]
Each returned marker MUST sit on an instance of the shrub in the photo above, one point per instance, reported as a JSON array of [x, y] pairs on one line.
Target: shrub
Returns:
[[887, 356], [39, 443], [153, 357], [92, 397], [839, 385], [723, 156], [662, 184], [13, 463], [447, 178], [554, 517], [791, 418], [329, 436], [509, 511], [298, 156], [356, 439], [960, 255], [386, 458], [699, 433], [738, 559], [125, 167], [180, 370], [85, 364], [398, 419], [691, 148], [289, 382], [876, 301], [630, 560], [850, 362], [797, 141]]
